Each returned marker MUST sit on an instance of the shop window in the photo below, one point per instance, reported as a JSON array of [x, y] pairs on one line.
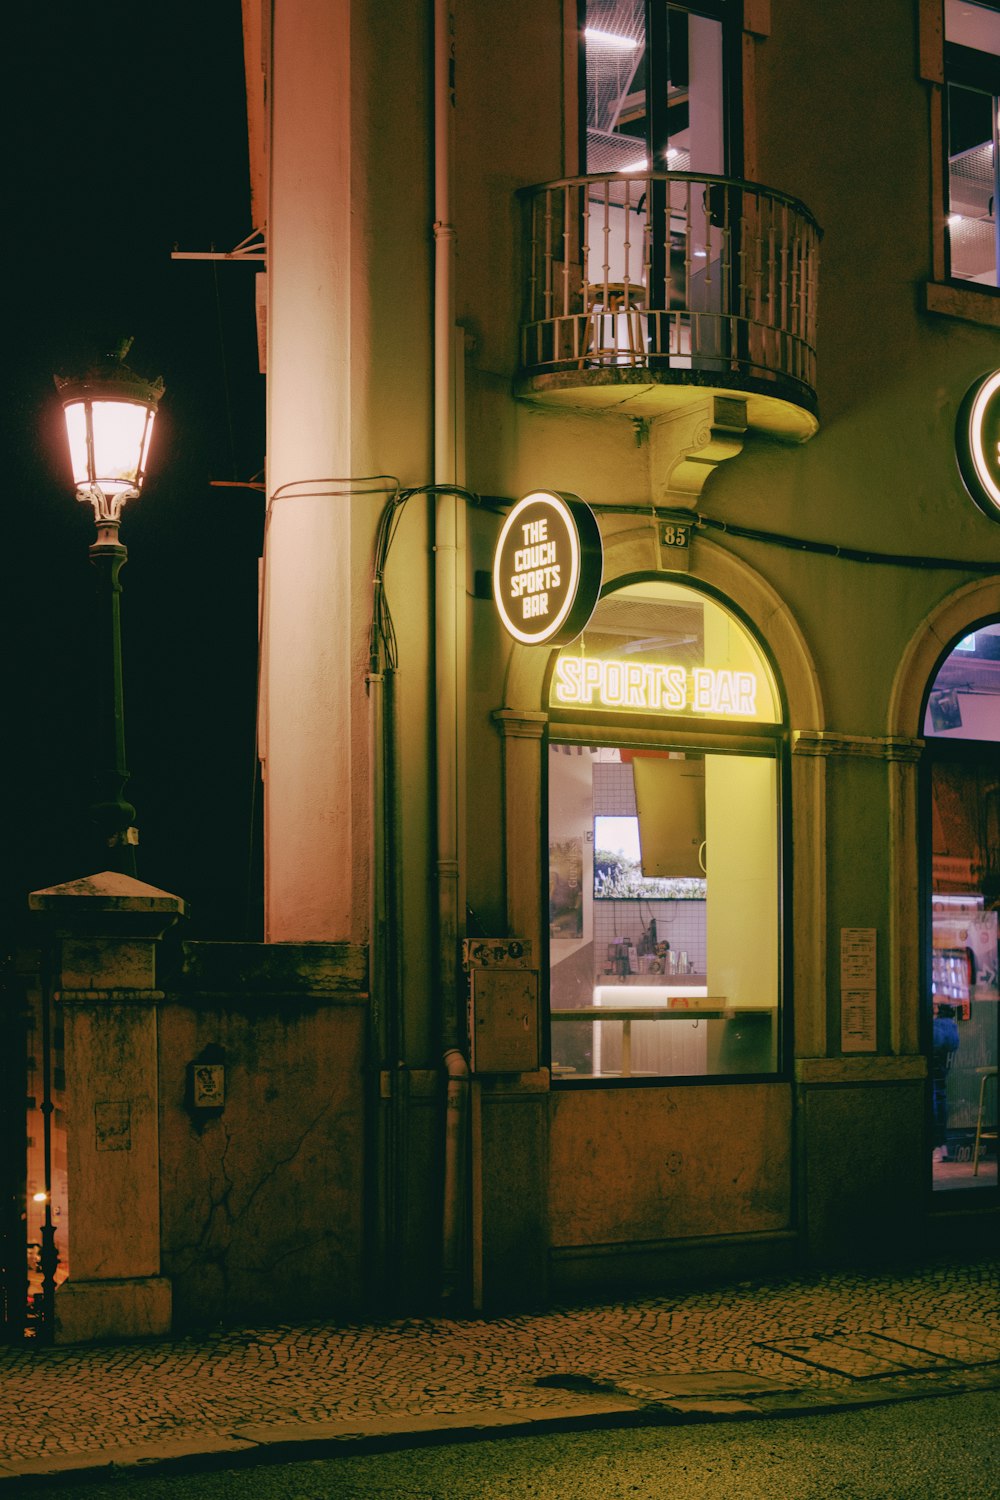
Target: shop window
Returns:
[[962, 726], [972, 99], [664, 777]]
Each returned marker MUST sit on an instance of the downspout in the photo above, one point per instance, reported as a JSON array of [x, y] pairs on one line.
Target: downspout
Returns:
[[379, 1229], [449, 599]]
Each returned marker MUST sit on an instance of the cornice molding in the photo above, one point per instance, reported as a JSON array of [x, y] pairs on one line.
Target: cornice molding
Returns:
[[826, 743]]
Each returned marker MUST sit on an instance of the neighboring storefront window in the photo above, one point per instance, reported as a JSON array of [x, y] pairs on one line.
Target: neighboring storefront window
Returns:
[[664, 844], [962, 726]]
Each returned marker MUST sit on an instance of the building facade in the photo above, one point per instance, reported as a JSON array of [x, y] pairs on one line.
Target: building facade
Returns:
[[630, 677], [665, 258]]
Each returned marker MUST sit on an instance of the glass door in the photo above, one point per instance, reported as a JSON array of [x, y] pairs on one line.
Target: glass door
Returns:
[[962, 724], [659, 96]]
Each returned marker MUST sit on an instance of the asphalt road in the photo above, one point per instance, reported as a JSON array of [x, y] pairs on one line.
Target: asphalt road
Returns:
[[911, 1450]]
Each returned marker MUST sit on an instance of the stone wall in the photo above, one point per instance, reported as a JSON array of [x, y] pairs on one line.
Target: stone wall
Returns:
[[262, 1189]]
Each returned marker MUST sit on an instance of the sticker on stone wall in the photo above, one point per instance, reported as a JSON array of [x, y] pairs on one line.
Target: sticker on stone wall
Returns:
[[113, 1125]]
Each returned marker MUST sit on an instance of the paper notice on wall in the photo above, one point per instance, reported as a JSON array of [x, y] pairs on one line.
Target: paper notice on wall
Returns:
[[858, 991], [857, 1020], [857, 958]]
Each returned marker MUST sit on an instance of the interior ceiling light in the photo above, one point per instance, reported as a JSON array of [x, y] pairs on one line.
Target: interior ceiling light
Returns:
[[637, 166], [610, 39], [655, 642]]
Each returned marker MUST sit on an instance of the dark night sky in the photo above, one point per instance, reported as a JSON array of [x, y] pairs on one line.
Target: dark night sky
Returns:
[[126, 137]]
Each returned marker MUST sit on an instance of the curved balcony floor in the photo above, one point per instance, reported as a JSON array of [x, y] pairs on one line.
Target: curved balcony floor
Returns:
[[645, 292], [637, 391]]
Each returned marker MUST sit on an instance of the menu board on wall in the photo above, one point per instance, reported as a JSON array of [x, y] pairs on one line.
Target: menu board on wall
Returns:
[[858, 990]]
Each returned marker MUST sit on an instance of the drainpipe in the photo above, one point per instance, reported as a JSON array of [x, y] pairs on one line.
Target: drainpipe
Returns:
[[449, 600], [381, 1230]]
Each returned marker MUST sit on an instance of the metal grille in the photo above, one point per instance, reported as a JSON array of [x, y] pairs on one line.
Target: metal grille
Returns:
[[611, 69], [670, 271], [625, 154], [975, 167]]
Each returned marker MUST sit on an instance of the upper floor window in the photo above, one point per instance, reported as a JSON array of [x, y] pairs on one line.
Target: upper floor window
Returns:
[[972, 82], [658, 93]]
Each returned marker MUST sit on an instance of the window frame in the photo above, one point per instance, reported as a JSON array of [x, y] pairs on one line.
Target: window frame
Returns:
[[629, 730], [954, 297], [966, 68]]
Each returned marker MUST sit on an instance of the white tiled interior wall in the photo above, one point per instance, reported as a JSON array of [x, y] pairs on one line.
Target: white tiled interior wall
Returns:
[[614, 790]]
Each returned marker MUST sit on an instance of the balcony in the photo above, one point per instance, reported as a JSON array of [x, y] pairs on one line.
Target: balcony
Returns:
[[643, 291]]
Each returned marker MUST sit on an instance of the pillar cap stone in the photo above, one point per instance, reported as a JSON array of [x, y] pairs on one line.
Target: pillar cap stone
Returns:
[[109, 902]]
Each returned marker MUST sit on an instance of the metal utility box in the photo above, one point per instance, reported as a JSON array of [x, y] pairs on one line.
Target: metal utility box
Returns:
[[503, 1005]]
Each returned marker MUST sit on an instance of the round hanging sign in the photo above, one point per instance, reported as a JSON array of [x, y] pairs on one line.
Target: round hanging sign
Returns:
[[977, 443], [547, 568]]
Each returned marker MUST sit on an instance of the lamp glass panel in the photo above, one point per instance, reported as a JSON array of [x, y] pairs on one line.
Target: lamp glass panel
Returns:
[[76, 431], [119, 429], [147, 439]]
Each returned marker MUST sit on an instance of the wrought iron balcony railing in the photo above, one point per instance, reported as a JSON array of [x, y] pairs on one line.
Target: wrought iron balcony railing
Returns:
[[671, 277]]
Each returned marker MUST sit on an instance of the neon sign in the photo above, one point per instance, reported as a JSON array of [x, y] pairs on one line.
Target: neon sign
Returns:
[[977, 443], [648, 687], [547, 568]]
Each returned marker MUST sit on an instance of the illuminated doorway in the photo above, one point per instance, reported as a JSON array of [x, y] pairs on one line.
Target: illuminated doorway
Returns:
[[962, 789]]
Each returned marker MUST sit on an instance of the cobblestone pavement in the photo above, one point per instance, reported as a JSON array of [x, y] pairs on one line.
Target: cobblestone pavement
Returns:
[[758, 1348]]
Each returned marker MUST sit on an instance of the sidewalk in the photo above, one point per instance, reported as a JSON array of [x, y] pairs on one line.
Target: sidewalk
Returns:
[[773, 1348]]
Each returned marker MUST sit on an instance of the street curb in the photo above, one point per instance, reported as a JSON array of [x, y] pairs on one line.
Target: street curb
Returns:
[[287, 1442]]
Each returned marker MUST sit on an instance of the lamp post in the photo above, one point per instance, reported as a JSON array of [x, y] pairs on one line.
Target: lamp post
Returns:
[[109, 414]]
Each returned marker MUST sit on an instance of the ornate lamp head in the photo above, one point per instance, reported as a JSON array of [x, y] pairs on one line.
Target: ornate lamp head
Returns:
[[109, 421]]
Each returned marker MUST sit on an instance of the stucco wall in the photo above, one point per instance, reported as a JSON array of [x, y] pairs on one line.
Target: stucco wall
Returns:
[[262, 1200], [879, 475]]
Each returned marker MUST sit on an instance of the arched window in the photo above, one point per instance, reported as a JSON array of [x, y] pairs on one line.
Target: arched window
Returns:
[[665, 768], [961, 723]]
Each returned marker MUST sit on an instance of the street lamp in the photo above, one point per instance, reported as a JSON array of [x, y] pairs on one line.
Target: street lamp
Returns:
[[109, 421]]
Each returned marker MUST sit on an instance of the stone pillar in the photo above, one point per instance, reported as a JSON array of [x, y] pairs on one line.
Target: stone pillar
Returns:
[[522, 731], [104, 930], [510, 1111]]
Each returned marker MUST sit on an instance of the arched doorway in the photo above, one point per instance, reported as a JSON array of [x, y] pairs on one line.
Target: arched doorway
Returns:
[[651, 1143], [961, 879]]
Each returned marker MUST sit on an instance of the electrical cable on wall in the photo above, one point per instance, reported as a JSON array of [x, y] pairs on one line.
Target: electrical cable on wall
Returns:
[[701, 522], [382, 643], [318, 488]]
